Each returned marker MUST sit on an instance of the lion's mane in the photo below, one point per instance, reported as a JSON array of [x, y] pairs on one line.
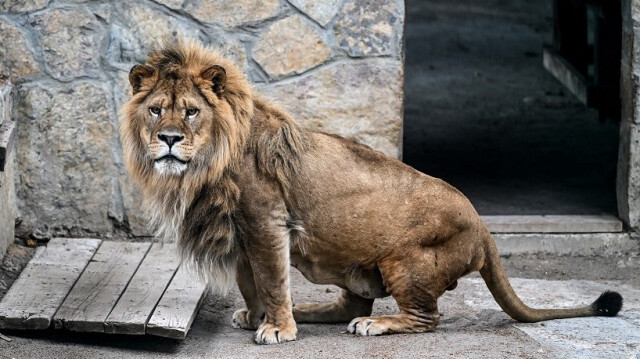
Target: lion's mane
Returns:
[[197, 208]]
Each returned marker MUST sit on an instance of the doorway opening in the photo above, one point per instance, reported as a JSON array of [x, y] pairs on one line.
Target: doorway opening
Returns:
[[483, 113]]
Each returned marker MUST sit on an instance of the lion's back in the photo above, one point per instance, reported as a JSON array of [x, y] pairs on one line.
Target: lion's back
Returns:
[[345, 187]]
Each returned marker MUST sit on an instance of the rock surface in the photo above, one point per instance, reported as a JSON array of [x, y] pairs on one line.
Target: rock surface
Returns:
[[65, 159], [140, 29], [6, 100], [7, 203], [15, 58], [22, 5], [133, 207], [232, 13], [320, 11], [290, 46], [230, 48], [7, 171], [359, 100], [174, 4], [370, 27], [70, 41]]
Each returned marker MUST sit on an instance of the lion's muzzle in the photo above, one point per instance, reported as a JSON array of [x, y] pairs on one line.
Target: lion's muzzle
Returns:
[[168, 157]]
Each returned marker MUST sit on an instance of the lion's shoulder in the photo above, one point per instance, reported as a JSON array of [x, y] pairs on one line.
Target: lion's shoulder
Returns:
[[277, 141]]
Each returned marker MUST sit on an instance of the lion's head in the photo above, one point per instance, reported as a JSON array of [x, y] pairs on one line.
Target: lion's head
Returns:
[[178, 117], [188, 117]]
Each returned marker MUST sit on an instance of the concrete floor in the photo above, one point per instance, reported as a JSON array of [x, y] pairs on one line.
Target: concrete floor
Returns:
[[483, 114], [473, 326]]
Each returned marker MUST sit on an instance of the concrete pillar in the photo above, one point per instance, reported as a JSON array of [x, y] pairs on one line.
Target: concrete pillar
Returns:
[[628, 179], [7, 154]]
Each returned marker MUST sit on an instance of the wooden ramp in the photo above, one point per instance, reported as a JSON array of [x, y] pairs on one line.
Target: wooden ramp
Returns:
[[89, 285]]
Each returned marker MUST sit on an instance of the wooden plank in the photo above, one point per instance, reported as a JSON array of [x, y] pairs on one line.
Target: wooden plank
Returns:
[[43, 285], [97, 290], [553, 224], [178, 307], [566, 74], [137, 303]]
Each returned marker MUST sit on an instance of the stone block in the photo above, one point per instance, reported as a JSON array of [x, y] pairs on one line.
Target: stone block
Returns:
[[572, 244], [604, 223], [361, 100], [71, 40], [7, 135], [290, 46], [121, 89], [6, 102], [129, 47], [7, 203], [22, 5], [635, 9], [231, 49], [133, 207], [320, 11], [139, 30], [66, 140], [15, 58], [232, 13], [370, 27], [7, 153], [7, 172], [174, 4]]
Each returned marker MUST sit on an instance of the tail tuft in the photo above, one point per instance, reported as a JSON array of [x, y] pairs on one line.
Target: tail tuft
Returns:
[[608, 304]]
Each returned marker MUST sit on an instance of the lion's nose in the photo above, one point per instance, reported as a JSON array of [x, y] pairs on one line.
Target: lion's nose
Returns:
[[170, 139]]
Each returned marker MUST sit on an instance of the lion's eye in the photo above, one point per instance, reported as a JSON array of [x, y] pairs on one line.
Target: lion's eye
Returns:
[[192, 112], [155, 110]]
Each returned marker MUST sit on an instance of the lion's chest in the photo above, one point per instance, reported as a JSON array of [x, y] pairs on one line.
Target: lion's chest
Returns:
[[364, 282]]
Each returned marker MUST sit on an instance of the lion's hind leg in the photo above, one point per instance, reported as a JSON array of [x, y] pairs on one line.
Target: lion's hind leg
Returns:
[[415, 284], [347, 307], [394, 324]]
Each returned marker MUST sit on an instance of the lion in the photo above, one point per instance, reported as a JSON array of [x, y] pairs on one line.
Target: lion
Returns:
[[247, 192]]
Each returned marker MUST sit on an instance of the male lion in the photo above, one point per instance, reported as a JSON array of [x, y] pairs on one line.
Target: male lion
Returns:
[[247, 192]]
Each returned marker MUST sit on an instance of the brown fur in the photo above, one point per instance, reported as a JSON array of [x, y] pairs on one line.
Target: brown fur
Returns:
[[257, 193]]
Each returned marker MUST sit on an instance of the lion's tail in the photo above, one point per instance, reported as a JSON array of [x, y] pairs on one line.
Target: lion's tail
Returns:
[[608, 304]]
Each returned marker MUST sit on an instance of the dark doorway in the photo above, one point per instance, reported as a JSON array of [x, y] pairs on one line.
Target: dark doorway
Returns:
[[482, 113]]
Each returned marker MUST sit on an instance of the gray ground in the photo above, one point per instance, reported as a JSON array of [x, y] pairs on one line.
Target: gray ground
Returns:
[[472, 325]]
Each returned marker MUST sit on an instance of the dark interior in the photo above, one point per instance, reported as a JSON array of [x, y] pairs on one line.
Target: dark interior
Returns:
[[482, 113]]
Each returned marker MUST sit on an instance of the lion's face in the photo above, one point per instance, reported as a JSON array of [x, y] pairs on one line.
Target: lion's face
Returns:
[[176, 117], [177, 125]]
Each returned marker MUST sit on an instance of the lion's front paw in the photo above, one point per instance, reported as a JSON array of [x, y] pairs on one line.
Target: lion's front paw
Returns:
[[246, 319], [271, 334], [367, 326]]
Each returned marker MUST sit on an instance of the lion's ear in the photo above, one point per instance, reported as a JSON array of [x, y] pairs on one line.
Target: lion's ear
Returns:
[[218, 75], [137, 74]]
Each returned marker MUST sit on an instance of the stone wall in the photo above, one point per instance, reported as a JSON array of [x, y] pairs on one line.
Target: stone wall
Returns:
[[335, 64]]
